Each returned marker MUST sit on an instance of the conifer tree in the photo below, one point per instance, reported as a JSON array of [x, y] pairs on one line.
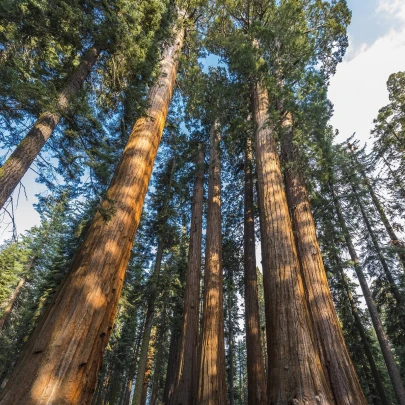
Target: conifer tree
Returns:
[[103, 256], [255, 367], [382, 337], [186, 374], [211, 376], [105, 39], [328, 334]]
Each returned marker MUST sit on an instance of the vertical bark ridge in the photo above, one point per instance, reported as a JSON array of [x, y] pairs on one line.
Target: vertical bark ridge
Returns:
[[145, 378], [62, 358], [212, 378], [295, 372], [335, 358], [186, 380]]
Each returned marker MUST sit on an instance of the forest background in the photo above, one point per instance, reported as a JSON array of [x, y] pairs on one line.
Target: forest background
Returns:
[[76, 166], [357, 90]]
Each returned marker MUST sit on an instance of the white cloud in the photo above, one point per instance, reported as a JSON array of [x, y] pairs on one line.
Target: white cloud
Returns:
[[395, 8], [358, 90]]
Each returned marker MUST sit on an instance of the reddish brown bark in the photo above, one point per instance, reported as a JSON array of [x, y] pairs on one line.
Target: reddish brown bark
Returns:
[[159, 359], [295, 372], [186, 381], [62, 358], [212, 378], [338, 367], [255, 366], [148, 367], [21, 159]]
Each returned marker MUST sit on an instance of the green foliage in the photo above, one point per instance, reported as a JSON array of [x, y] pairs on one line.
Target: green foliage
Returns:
[[13, 259], [293, 47]]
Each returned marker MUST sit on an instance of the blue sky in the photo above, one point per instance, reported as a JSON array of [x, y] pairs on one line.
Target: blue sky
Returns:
[[358, 90], [376, 49]]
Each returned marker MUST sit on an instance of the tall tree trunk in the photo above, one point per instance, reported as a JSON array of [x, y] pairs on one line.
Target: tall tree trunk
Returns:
[[148, 368], [212, 376], [241, 382], [230, 341], [12, 301], [295, 371], [21, 159], [159, 359], [63, 356], [132, 372], [335, 358], [363, 336], [127, 393], [186, 375], [172, 363], [143, 357], [375, 318], [393, 286], [255, 366]]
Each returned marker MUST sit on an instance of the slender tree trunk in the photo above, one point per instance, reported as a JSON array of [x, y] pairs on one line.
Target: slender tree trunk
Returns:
[[395, 177], [63, 356], [393, 286], [379, 207], [212, 376], [159, 359], [104, 388], [255, 366], [132, 372], [241, 382], [116, 386], [127, 395], [12, 301], [186, 375], [172, 363], [21, 159], [335, 358], [382, 337], [231, 342], [295, 371], [363, 336], [143, 357], [148, 368], [262, 317]]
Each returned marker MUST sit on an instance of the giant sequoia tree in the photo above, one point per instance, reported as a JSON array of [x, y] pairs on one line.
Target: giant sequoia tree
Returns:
[[91, 314], [97, 272]]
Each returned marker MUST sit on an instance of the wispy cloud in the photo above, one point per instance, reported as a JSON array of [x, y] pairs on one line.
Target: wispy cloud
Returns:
[[394, 8], [358, 89]]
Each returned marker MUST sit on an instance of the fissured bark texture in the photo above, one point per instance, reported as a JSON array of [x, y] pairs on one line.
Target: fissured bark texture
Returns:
[[61, 360], [295, 372]]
